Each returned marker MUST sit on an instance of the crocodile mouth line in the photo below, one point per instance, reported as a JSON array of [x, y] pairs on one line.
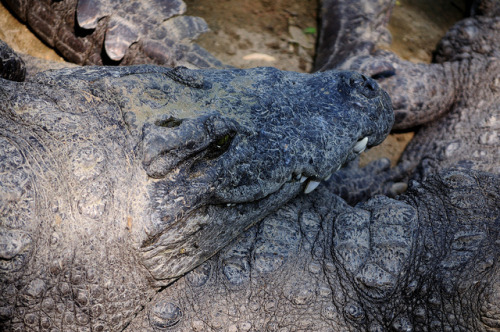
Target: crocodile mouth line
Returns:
[[311, 183]]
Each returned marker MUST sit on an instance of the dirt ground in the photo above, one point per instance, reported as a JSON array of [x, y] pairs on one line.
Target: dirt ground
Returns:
[[282, 34]]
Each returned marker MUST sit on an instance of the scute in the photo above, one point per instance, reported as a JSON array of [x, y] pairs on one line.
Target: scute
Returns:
[[164, 315]]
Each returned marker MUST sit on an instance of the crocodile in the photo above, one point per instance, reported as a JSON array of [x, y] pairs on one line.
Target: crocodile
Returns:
[[427, 260], [115, 181], [466, 53], [72, 257]]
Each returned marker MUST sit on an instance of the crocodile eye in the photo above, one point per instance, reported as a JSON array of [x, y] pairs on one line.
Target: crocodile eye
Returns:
[[222, 141], [219, 146]]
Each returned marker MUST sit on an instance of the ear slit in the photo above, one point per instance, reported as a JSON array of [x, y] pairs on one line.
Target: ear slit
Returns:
[[170, 122]]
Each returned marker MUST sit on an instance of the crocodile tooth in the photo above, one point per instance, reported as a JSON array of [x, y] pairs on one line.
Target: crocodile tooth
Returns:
[[311, 186], [328, 177], [360, 145], [302, 179]]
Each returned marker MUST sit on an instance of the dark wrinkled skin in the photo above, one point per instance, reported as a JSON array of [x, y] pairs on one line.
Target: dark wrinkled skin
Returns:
[[427, 261], [350, 28], [441, 86], [118, 180], [11, 66]]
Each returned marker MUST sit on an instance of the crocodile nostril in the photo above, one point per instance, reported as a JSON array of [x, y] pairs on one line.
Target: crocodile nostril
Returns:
[[366, 86], [170, 122], [356, 80], [370, 84]]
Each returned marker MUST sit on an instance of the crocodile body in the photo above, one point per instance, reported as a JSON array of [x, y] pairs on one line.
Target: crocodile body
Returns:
[[453, 102], [427, 261]]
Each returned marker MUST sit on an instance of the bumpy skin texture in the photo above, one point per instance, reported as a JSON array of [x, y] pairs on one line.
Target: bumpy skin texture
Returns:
[[415, 101], [423, 93], [97, 32], [469, 135], [115, 181], [355, 184], [472, 37], [350, 28], [427, 261], [457, 99]]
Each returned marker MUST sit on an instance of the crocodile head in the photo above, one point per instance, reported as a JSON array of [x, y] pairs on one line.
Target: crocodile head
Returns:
[[223, 148]]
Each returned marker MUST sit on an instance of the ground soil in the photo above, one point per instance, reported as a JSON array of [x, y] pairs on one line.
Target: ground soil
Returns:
[[282, 34]]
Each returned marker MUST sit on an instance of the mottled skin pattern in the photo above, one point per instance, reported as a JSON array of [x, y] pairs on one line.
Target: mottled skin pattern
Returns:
[[456, 98], [421, 93], [96, 32], [427, 261], [350, 28], [464, 91], [117, 180]]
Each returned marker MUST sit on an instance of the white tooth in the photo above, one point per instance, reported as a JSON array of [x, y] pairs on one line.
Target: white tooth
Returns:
[[298, 176], [302, 179], [311, 186], [360, 145], [328, 177], [340, 166]]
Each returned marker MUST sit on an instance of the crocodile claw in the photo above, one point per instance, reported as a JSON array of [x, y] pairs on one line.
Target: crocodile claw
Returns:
[[119, 36], [97, 32], [89, 12]]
